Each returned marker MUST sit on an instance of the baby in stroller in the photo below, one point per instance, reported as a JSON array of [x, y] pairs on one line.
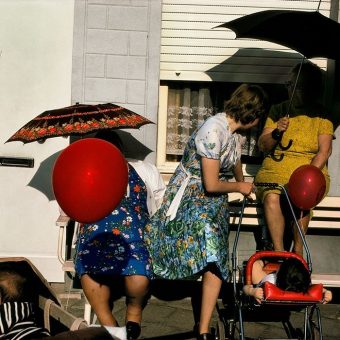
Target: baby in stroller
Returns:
[[290, 275], [18, 304]]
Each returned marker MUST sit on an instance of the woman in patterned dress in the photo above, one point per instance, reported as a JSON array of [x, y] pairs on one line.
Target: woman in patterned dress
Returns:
[[311, 136], [189, 233], [114, 247]]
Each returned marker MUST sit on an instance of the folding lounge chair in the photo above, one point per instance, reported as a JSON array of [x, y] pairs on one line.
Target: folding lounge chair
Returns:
[[49, 312]]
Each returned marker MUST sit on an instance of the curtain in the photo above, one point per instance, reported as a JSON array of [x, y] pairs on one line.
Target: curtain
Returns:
[[189, 106], [187, 109], [249, 146]]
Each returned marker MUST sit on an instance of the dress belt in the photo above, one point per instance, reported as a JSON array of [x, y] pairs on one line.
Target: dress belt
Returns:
[[172, 211]]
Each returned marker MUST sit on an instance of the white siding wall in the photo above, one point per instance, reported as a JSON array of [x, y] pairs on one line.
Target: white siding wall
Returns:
[[116, 58], [35, 67], [192, 49]]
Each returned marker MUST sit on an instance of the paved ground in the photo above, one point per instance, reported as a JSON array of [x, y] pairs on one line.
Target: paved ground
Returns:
[[169, 316]]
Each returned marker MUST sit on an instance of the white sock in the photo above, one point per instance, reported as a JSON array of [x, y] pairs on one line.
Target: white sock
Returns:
[[118, 333]]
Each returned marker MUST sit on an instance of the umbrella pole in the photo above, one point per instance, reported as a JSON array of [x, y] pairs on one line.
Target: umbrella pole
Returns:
[[294, 88], [288, 111], [318, 6], [297, 77]]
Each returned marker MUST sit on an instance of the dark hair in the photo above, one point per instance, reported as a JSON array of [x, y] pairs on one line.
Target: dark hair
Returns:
[[293, 276], [111, 137], [310, 80], [14, 285], [247, 103]]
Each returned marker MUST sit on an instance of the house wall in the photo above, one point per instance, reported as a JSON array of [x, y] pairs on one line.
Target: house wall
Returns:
[[116, 58], [35, 68]]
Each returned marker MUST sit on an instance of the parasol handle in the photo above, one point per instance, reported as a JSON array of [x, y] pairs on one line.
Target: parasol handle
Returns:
[[287, 146]]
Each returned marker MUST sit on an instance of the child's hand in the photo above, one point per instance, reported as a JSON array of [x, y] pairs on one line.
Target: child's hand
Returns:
[[327, 296], [258, 294]]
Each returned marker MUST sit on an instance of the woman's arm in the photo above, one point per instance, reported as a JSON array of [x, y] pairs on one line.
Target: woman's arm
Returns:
[[212, 183], [238, 172], [325, 150], [267, 141]]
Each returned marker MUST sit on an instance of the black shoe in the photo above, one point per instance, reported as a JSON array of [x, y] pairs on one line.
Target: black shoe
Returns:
[[205, 336], [132, 330]]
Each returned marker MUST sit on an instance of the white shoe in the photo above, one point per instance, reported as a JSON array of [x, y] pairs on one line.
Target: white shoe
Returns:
[[118, 333]]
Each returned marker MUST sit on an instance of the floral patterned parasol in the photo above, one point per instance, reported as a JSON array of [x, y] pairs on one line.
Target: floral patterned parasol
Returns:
[[78, 119]]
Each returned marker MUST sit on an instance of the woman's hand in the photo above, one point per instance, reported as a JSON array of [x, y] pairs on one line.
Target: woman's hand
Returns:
[[246, 188], [270, 137], [282, 124]]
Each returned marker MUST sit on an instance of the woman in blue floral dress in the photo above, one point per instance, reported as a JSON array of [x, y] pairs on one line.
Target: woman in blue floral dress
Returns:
[[114, 247], [188, 235]]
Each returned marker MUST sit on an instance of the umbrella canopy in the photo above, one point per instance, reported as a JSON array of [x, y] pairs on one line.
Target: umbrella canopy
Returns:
[[78, 119], [309, 33]]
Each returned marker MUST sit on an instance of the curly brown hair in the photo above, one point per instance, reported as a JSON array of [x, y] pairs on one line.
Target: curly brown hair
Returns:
[[247, 103]]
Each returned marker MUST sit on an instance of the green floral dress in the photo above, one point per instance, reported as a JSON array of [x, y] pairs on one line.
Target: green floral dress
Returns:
[[190, 229]]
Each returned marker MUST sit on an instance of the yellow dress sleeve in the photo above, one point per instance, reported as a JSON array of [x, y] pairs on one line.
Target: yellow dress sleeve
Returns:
[[326, 127]]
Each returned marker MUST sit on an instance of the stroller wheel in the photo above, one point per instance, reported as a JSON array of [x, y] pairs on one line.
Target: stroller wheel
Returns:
[[220, 331]]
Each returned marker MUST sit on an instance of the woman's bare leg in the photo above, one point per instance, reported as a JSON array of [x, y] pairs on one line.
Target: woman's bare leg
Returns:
[[274, 219], [98, 296], [211, 286], [136, 288], [298, 245]]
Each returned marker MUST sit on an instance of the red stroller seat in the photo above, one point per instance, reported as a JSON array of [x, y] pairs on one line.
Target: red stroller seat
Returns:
[[275, 295]]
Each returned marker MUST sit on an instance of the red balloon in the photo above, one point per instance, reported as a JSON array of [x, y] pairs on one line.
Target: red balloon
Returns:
[[89, 179], [306, 186]]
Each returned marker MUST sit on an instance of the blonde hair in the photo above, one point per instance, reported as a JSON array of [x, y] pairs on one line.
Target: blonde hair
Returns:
[[247, 103]]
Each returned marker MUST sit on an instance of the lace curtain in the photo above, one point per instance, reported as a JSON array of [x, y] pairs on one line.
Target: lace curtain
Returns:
[[250, 137], [188, 107]]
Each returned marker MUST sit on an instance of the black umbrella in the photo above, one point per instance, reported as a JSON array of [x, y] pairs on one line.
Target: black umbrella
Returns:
[[309, 33]]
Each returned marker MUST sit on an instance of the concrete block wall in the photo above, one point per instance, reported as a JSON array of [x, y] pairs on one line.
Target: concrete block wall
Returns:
[[116, 53]]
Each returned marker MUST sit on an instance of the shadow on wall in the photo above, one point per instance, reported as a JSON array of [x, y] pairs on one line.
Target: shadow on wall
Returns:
[[42, 179], [269, 69], [132, 148], [255, 65]]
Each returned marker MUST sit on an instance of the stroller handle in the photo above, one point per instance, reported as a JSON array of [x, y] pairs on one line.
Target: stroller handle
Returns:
[[267, 254], [284, 190], [269, 185]]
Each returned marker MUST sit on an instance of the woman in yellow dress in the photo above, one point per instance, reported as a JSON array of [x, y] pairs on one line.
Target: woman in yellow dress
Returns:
[[308, 133]]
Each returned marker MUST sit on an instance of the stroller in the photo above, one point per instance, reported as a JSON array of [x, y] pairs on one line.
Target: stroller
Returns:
[[277, 304]]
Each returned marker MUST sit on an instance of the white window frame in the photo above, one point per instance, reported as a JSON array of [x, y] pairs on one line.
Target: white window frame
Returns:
[[168, 168]]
